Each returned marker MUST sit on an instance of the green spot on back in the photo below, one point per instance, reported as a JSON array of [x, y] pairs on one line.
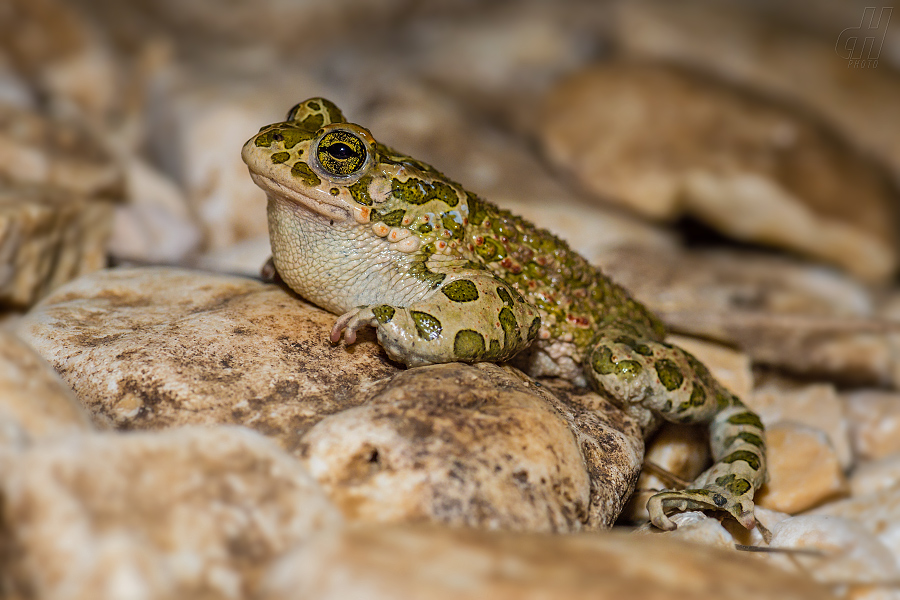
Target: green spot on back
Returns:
[[601, 360], [504, 296], [383, 313], [391, 219], [744, 455], [417, 191], [698, 397], [452, 222], [263, 140], [510, 328], [469, 345], [534, 328], [494, 351], [461, 290], [745, 418], [737, 486], [302, 171], [669, 374], [293, 136], [427, 326], [313, 122], [603, 363], [490, 250], [746, 436]]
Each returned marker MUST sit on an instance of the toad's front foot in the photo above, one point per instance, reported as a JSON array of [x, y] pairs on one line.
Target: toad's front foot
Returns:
[[660, 505]]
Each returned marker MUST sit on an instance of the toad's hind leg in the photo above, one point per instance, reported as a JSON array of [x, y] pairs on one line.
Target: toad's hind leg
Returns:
[[673, 384]]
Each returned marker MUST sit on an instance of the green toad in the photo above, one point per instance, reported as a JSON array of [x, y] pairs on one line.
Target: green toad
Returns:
[[387, 241]]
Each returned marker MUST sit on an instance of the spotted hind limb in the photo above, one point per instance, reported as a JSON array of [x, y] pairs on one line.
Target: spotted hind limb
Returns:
[[670, 382], [471, 317]]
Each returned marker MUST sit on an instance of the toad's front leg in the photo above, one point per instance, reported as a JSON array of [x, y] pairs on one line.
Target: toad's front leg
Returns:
[[472, 317]]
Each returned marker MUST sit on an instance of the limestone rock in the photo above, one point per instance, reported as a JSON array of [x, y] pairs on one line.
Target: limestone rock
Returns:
[[878, 513], [154, 348], [815, 405], [698, 528], [480, 446], [739, 43], [794, 317], [196, 512], [47, 237], [664, 142], [35, 150], [874, 419], [243, 258], [803, 469], [61, 55], [874, 476], [838, 551], [462, 564], [34, 403], [155, 225]]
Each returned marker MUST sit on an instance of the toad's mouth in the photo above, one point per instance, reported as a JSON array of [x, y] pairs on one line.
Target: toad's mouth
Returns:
[[331, 211]]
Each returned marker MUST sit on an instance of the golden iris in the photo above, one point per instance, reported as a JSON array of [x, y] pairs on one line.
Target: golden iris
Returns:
[[341, 153]]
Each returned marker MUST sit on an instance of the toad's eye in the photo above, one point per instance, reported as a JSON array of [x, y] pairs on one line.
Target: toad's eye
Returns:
[[341, 153]]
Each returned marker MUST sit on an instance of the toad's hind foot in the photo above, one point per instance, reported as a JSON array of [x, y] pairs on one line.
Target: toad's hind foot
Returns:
[[660, 505]]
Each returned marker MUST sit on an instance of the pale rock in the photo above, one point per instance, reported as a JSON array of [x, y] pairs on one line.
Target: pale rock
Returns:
[[47, 237], [158, 347], [878, 512], [480, 446], [507, 51], [189, 513], [699, 528], [834, 550], [666, 142], [303, 30], [35, 404], [14, 89], [815, 405], [464, 564], [155, 225], [874, 418], [875, 475], [243, 258], [35, 150], [766, 520], [803, 469], [199, 118], [62, 55], [739, 43]]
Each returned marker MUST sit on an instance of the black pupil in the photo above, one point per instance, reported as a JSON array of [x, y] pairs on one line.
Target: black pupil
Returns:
[[341, 151]]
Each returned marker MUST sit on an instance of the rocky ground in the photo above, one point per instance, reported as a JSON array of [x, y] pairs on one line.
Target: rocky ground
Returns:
[[173, 426]]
